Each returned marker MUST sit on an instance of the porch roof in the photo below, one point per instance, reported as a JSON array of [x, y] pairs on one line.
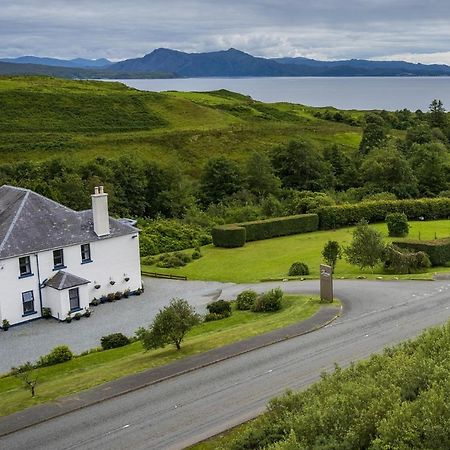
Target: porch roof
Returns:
[[64, 280]]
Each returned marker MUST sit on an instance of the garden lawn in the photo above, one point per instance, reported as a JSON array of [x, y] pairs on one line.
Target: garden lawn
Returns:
[[271, 258], [96, 368]]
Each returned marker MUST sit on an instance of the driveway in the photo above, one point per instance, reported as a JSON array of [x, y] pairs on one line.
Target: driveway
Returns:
[[31, 340]]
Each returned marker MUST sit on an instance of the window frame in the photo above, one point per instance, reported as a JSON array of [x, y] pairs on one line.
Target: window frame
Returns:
[[77, 308], [85, 260], [31, 311], [28, 273], [61, 264]]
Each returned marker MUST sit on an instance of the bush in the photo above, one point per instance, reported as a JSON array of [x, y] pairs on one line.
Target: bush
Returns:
[[269, 301], [111, 297], [229, 236], [215, 316], [148, 260], [118, 295], [346, 215], [219, 307], [298, 268], [58, 355], [438, 250], [397, 224], [176, 259], [401, 261], [46, 313], [114, 340], [245, 300]]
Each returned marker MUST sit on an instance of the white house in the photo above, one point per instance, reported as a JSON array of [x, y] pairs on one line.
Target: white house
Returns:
[[54, 257]]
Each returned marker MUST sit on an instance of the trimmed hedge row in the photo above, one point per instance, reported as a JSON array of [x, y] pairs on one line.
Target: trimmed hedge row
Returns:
[[437, 250], [346, 215], [236, 235]]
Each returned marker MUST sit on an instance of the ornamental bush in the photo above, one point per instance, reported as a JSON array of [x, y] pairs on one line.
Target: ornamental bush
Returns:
[[114, 340], [58, 355], [437, 250], [269, 301], [219, 307], [177, 259], [397, 224], [210, 317], [401, 261], [245, 300], [298, 268]]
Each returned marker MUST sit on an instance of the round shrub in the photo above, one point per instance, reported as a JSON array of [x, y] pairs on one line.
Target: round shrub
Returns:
[[269, 301], [114, 340], [219, 307], [177, 259], [397, 224], [245, 300], [58, 355], [298, 268]]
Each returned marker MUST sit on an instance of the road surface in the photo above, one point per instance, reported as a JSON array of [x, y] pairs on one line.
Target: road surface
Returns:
[[191, 407]]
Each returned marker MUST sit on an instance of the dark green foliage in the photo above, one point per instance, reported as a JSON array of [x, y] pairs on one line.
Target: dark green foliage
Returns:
[[397, 224], [438, 250], [219, 307], [196, 254], [302, 202], [210, 317], [366, 248], [331, 253], [46, 313], [347, 215], [5, 324], [177, 259], [170, 325], [245, 300], [374, 134], [220, 179], [397, 400], [269, 301], [58, 355], [280, 226], [259, 176], [114, 340], [438, 118], [401, 261], [298, 268], [229, 236]]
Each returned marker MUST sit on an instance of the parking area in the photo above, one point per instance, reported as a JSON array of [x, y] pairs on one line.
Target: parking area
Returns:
[[29, 341]]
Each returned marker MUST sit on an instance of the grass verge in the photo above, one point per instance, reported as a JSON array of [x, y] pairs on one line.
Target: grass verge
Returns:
[[93, 369]]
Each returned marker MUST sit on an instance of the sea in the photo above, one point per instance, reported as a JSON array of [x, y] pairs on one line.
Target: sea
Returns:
[[363, 93]]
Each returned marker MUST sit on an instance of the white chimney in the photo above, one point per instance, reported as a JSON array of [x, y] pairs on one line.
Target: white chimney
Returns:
[[100, 211]]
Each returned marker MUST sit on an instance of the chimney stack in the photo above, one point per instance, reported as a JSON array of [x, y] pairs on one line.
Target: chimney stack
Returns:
[[100, 211]]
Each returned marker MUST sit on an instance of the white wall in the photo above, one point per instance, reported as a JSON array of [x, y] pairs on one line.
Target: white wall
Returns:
[[112, 259]]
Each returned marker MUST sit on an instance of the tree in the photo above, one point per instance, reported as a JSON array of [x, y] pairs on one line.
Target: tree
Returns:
[[301, 166], [366, 248], [331, 253], [342, 166], [374, 134], [438, 118], [170, 325], [260, 177], [220, 179], [25, 373]]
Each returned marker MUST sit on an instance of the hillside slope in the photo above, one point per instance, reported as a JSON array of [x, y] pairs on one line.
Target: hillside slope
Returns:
[[44, 117]]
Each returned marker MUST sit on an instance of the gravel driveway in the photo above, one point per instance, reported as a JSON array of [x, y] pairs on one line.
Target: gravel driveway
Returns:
[[29, 341]]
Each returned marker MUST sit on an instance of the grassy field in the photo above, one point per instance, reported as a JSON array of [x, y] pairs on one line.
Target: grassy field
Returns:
[[96, 368], [44, 118], [272, 258]]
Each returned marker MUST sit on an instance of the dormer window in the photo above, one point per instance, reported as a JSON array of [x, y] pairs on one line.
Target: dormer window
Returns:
[[25, 266], [58, 259]]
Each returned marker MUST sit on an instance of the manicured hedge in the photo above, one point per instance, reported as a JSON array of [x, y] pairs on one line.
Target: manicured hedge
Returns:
[[346, 215], [438, 250], [228, 236], [235, 235]]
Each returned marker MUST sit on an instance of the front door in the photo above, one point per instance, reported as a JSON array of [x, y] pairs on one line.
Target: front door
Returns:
[[74, 299]]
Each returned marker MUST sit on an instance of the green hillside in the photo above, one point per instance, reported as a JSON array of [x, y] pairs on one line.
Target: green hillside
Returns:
[[43, 118]]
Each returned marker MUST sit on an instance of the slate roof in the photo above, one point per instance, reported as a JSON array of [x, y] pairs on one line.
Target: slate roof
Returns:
[[64, 280], [30, 222]]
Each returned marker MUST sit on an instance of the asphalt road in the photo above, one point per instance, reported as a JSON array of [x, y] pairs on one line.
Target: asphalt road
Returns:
[[186, 409]]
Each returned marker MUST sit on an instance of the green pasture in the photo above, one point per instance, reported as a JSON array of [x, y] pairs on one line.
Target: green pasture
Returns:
[[271, 259]]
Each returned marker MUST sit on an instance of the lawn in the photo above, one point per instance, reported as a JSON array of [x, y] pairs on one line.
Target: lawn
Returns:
[[96, 368], [271, 259]]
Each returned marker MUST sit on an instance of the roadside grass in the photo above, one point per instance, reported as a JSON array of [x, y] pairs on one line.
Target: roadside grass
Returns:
[[90, 370], [271, 258]]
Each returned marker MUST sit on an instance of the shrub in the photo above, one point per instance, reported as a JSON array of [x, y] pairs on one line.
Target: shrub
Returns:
[[196, 254], [148, 260], [269, 301], [331, 253], [95, 302], [118, 295], [438, 250], [400, 261], [77, 316], [397, 224], [111, 297], [176, 259], [58, 355], [46, 313], [245, 300], [298, 268], [219, 307], [215, 316], [5, 324], [229, 236], [114, 340]]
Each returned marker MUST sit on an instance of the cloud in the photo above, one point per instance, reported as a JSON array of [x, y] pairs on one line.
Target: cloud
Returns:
[[323, 29]]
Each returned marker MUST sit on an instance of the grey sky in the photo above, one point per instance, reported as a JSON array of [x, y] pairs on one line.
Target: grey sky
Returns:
[[323, 29]]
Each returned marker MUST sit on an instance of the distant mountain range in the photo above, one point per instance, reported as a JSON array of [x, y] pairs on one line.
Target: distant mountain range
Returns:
[[167, 63]]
